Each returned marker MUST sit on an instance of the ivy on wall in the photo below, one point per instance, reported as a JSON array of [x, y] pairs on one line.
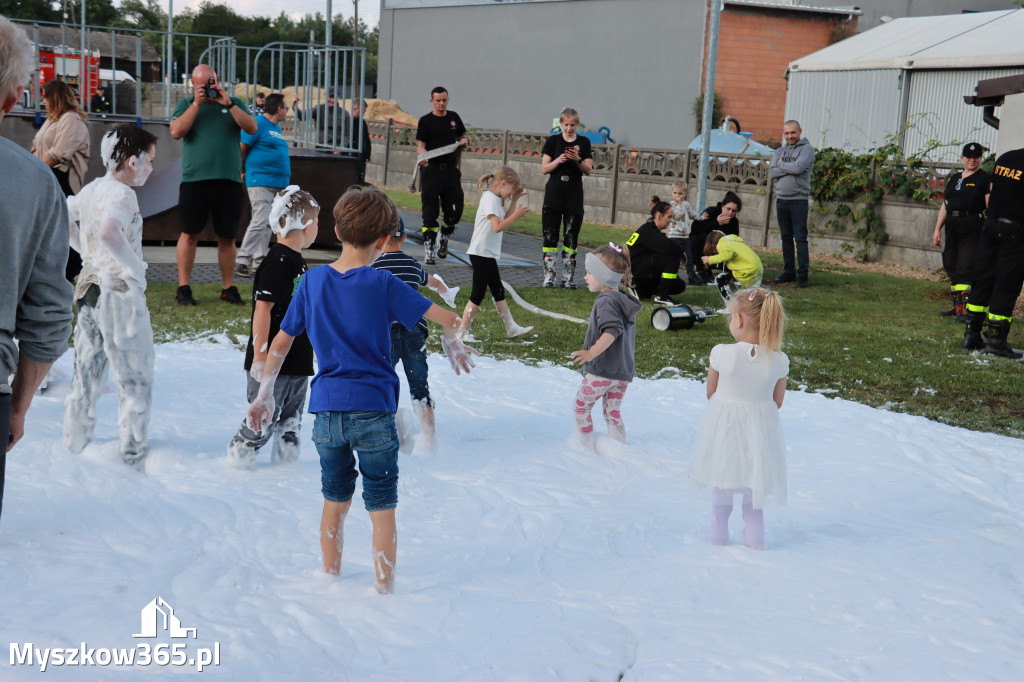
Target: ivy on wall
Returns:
[[847, 189]]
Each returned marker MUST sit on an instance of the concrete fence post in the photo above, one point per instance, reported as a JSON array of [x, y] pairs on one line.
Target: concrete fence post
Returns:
[[615, 183], [504, 148], [387, 151]]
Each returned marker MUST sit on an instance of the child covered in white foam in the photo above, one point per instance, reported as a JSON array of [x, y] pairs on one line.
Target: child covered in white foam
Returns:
[[293, 218], [113, 329]]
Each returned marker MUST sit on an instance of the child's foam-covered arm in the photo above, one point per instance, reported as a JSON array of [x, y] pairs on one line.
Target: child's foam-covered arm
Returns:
[[459, 354], [437, 284], [261, 411], [74, 235], [112, 236], [260, 338]]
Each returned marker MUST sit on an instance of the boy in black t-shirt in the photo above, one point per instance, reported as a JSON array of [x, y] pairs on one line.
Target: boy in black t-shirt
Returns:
[[293, 218], [440, 179]]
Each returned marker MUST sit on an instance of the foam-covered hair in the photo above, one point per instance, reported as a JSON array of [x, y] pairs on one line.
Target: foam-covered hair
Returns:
[[289, 207]]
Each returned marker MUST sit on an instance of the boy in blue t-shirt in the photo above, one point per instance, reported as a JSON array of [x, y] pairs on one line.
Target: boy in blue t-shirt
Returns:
[[410, 345], [347, 308]]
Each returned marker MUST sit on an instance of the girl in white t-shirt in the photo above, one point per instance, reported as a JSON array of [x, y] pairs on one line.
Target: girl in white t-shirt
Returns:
[[485, 246]]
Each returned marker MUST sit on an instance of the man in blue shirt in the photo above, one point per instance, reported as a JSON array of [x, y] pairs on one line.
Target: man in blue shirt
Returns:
[[267, 171]]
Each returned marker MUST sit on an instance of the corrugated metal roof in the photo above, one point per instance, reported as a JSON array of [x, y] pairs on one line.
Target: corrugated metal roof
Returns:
[[951, 41], [782, 5]]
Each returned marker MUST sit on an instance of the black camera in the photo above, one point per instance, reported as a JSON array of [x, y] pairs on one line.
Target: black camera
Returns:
[[210, 90]]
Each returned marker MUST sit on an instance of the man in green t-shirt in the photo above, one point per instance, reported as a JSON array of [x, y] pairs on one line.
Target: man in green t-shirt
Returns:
[[210, 124]]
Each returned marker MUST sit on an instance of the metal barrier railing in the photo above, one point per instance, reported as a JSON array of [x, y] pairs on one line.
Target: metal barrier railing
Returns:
[[75, 53]]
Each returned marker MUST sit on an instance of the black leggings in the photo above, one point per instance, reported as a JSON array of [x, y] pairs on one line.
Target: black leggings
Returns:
[[74, 265], [485, 274]]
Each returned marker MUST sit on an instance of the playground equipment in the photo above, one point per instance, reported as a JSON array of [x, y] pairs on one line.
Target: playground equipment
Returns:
[[725, 141]]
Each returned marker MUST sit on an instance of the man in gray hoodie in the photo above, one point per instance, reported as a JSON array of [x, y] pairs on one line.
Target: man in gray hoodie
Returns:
[[791, 170], [35, 307]]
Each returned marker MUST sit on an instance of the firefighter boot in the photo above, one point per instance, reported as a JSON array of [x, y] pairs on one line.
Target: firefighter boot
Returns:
[[972, 335], [995, 339], [569, 271], [961, 305], [549, 271]]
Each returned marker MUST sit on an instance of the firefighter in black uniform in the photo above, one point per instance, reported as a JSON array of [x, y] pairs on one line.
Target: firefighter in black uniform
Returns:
[[999, 263], [655, 258], [565, 159], [440, 179], [963, 213]]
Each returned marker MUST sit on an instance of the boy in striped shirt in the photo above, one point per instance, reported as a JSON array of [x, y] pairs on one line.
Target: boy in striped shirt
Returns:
[[411, 346]]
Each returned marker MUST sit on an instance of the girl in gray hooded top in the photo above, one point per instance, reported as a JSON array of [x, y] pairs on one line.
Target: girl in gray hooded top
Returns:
[[608, 347]]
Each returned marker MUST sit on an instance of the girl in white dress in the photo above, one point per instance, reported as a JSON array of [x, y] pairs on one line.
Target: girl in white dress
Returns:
[[740, 448]]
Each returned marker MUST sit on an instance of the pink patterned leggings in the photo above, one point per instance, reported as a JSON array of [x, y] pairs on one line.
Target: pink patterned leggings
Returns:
[[594, 388]]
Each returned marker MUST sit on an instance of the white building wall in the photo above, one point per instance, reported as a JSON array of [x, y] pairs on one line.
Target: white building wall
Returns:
[[937, 111], [632, 66]]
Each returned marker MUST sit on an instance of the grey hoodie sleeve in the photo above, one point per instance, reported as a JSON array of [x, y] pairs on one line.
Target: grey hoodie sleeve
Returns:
[[44, 311]]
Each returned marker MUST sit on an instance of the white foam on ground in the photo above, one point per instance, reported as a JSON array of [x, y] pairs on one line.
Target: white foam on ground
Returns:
[[899, 556]]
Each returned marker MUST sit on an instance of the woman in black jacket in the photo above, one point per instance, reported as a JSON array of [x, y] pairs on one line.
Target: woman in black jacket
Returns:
[[722, 218], [655, 258]]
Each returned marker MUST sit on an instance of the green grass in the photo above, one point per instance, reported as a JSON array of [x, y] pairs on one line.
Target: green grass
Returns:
[[860, 336], [591, 235], [209, 319]]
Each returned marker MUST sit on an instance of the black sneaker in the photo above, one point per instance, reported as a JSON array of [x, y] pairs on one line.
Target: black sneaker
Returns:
[[230, 295], [802, 284], [242, 270], [665, 300], [785, 278], [184, 296]]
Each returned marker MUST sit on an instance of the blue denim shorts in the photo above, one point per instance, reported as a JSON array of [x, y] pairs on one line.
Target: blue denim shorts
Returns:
[[338, 437]]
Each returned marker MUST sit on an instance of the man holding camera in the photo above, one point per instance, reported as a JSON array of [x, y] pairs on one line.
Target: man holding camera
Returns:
[[210, 125]]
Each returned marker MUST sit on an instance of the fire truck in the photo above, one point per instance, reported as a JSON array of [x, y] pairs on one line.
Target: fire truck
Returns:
[[65, 63]]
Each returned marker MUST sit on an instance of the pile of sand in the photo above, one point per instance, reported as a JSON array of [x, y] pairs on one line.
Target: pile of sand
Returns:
[[376, 109]]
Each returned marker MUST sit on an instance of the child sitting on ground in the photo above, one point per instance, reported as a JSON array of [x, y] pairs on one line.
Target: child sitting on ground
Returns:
[[608, 348], [347, 309], [410, 345], [113, 328], [741, 266], [293, 218]]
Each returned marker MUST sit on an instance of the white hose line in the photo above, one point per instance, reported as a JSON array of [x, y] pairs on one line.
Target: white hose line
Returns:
[[523, 303]]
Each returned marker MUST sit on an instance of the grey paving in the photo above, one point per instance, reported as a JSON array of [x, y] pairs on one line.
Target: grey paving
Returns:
[[521, 263]]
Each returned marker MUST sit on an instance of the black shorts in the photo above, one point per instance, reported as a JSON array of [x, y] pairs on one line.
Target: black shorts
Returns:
[[225, 199]]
